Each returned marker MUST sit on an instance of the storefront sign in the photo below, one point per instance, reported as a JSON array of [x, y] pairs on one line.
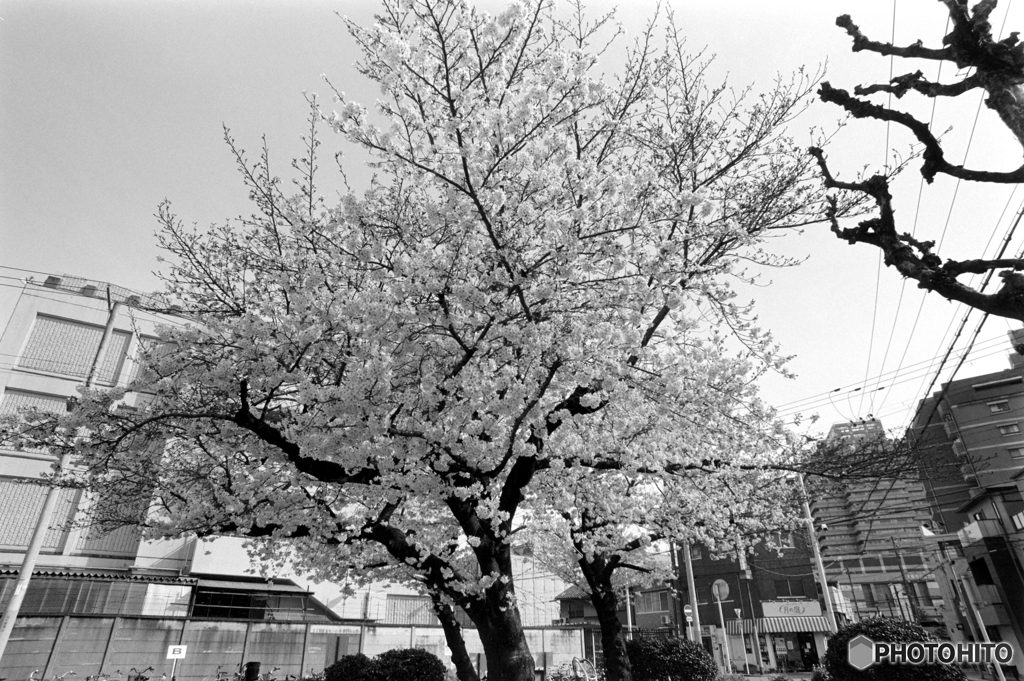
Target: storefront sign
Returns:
[[791, 608]]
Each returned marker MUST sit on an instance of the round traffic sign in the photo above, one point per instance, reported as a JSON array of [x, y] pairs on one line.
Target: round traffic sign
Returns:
[[687, 609], [720, 589]]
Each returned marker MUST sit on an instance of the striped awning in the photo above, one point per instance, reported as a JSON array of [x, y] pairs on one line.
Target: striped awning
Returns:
[[778, 625]]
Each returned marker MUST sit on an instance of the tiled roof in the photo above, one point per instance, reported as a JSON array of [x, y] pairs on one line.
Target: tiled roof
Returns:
[[79, 574], [572, 593]]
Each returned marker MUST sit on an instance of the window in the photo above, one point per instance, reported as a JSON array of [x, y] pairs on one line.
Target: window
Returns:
[[575, 609], [1018, 521], [1016, 453], [980, 515], [783, 540], [696, 553], [1009, 429], [407, 610], [652, 601], [997, 407], [67, 347], [789, 588]]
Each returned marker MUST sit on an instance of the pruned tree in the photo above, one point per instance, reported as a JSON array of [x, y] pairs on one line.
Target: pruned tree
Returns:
[[378, 385], [995, 67]]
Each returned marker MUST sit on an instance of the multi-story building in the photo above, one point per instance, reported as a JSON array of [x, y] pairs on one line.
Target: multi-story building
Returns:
[[871, 541], [971, 437], [106, 602]]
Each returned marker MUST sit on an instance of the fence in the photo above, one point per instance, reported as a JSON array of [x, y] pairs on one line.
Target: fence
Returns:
[[90, 645]]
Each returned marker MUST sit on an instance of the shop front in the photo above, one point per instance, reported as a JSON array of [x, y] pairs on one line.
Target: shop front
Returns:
[[785, 643]]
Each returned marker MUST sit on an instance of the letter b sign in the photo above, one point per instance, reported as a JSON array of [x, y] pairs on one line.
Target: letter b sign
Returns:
[[176, 652]]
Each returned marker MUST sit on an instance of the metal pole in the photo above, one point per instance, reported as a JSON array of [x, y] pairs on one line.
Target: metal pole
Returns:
[[688, 559], [829, 613], [35, 545], [629, 617]]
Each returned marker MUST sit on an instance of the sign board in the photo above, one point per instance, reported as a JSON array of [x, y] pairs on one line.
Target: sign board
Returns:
[[720, 589], [687, 610], [780, 645], [336, 629], [176, 652], [791, 608], [689, 619], [739, 613]]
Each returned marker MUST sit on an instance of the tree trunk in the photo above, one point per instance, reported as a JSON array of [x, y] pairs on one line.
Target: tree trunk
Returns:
[[598, 574], [501, 633], [464, 669]]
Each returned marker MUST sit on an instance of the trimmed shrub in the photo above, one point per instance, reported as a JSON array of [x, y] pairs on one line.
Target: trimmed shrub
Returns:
[[669, 659], [407, 664], [892, 631], [350, 668]]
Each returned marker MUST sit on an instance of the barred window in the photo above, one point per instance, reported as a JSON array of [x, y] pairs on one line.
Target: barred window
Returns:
[[62, 346]]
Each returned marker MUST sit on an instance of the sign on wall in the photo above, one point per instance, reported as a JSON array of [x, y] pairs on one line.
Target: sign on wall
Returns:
[[791, 608], [337, 629], [176, 652]]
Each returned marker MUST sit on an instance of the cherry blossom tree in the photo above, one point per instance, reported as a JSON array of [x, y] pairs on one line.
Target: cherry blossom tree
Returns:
[[995, 67], [379, 386]]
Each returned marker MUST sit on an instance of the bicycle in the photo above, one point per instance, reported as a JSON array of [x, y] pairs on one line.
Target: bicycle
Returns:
[[61, 677], [139, 676], [269, 676]]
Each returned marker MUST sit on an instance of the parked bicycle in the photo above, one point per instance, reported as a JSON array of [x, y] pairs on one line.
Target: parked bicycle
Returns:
[[269, 676], [135, 675]]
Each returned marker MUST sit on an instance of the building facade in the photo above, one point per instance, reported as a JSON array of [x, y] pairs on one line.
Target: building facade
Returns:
[[762, 611], [103, 603]]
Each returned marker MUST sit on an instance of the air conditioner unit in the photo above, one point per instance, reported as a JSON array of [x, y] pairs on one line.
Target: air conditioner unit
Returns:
[[666, 620], [559, 622]]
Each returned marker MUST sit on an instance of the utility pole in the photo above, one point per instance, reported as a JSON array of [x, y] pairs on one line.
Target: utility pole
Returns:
[[981, 625], [52, 494], [915, 617], [830, 615], [690, 586], [853, 596]]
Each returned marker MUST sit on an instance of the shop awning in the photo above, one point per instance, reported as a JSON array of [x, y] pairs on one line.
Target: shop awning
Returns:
[[777, 625]]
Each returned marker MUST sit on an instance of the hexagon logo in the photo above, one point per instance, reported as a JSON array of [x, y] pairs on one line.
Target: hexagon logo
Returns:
[[860, 652]]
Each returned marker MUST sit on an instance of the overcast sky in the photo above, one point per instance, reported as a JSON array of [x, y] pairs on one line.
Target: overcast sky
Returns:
[[109, 107]]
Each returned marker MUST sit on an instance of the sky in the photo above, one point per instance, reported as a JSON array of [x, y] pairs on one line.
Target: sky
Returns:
[[109, 107]]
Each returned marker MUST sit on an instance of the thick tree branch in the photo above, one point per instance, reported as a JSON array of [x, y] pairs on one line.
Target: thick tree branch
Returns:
[[915, 260]]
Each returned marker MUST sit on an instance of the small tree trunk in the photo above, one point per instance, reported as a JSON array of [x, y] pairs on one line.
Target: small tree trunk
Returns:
[[598, 574], [464, 668], [501, 633]]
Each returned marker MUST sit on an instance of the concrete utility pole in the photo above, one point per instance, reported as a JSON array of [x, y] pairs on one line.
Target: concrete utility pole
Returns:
[[830, 614], [688, 559], [52, 495]]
